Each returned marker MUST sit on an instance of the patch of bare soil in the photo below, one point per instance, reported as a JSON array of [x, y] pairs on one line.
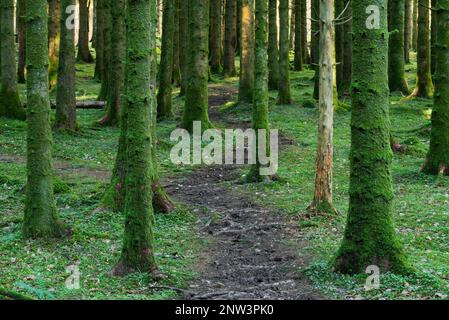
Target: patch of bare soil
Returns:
[[254, 251]]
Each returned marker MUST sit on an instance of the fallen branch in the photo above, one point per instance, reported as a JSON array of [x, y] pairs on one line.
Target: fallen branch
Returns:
[[83, 105]]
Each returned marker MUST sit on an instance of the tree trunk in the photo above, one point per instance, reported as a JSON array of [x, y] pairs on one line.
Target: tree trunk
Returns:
[[106, 51], [215, 39], [164, 98], [138, 247], [41, 217], [176, 77], [304, 33], [298, 35], [54, 33], [84, 54], [246, 85], [66, 96], [408, 30], [230, 38], [396, 66], [433, 37], [273, 46], [292, 13], [415, 26], [438, 156], [370, 237], [323, 199], [284, 59], [99, 45], [316, 46], [10, 105], [21, 34], [344, 87], [183, 43]]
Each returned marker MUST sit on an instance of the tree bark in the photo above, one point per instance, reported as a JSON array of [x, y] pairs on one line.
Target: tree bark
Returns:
[[176, 78], [433, 37], [99, 45], [304, 33], [316, 46], [84, 54], [246, 84], [284, 59], [215, 39], [298, 35], [106, 50], [230, 38], [183, 43], [54, 33], [21, 34], [408, 30], [273, 46], [415, 26]]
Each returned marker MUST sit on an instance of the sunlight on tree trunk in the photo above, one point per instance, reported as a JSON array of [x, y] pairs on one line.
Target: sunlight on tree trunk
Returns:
[[246, 84]]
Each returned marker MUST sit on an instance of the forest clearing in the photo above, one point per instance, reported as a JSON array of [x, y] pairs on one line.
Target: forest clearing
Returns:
[[93, 206]]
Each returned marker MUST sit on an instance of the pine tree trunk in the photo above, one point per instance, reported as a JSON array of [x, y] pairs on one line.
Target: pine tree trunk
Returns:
[[84, 54], [316, 46], [415, 26], [230, 38], [215, 39], [284, 59], [183, 43], [196, 101], [370, 237], [10, 105], [99, 45], [339, 42], [41, 218], [292, 14], [345, 83], [438, 156], [54, 33], [106, 50], [246, 84], [304, 33], [396, 66], [298, 36], [138, 248], [21, 34], [176, 78], [273, 46], [66, 96], [433, 37], [407, 30], [164, 98]]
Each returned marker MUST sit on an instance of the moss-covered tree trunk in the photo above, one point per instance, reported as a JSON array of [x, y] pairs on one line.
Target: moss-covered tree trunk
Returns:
[[106, 50], [98, 44], [304, 33], [261, 99], [415, 26], [176, 78], [196, 100], [215, 40], [183, 43], [298, 35], [21, 34], [246, 84], [66, 96], [41, 218], [407, 30], [433, 37], [138, 247], [438, 156], [54, 34], [370, 237], [230, 43], [164, 95], [323, 196], [273, 46], [10, 105], [84, 54], [396, 59], [424, 84], [284, 57]]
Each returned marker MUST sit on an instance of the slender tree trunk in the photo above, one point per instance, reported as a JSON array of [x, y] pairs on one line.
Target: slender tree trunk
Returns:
[[21, 34], [370, 237], [344, 87], [316, 46], [230, 38], [138, 242], [304, 33], [99, 43], [84, 54], [292, 13], [10, 105], [54, 33], [284, 59], [196, 101], [438, 157], [273, 46], [415, 26], [339, 41], [433, 37], [107, 52], [183, 43], [215, 39], [176, 78], [396, 66], [323, 199], [41, 217], [298, 35], [408, 30], [246, 85], [66, 96]]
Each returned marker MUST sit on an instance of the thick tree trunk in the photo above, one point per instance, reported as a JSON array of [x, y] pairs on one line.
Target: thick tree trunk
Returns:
[[273, 46], [41, 218], [164, 98], [396, 66], [230, 38], [370, 237], [438, 156], [54, 34], [138, 248], [215, 40], [246, 84], [84, 54], [408, 30], [284, 58], [298, 35], [183, 43], [66, 96], [106, 51], [21, 34]]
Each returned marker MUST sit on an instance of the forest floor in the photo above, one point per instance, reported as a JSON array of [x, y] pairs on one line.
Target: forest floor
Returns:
[[224, 240]]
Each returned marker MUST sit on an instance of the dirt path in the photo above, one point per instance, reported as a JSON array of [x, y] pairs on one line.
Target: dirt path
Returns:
[[254, 251]]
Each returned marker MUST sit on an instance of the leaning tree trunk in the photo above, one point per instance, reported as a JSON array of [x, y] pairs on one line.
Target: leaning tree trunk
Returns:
[[215, 39], [323, 199], [196, 101], [370, 237], [407, 30], [41, 217], [84, 54], [10, 105], [424, 84], [298, 35], [273, 46], [106, 50], [21, 34], [396, 59], [438, 156], [66, 96], [138, 243], [164, 98], [54, 33], [284, 59], [230, 38], [246, 84]]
